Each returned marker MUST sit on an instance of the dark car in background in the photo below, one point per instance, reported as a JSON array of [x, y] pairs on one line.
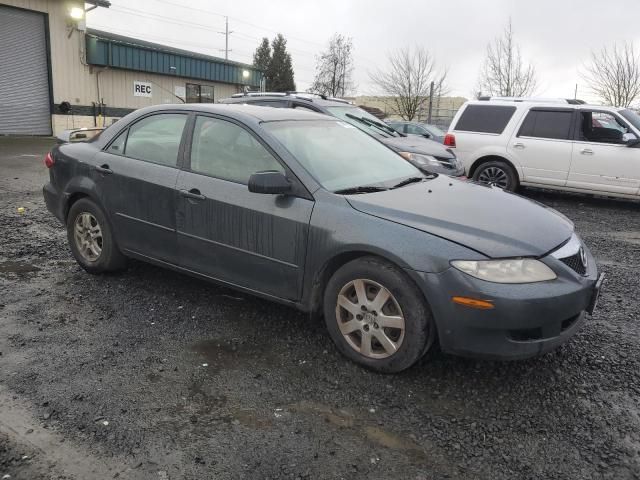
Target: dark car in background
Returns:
[[425, 154], [307, 210], [432, 132]]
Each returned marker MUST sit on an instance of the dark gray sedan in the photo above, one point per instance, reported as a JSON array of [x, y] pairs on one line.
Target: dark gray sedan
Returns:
[[309, 211]]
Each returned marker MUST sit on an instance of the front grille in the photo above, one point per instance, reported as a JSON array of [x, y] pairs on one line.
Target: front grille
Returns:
[[575, 263]]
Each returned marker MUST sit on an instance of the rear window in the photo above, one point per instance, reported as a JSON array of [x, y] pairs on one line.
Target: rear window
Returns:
[[547, 124], [485, 118]]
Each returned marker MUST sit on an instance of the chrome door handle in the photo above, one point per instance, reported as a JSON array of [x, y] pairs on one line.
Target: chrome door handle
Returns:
[[194, 194], [586, 151], [104, 169], [518, 145]]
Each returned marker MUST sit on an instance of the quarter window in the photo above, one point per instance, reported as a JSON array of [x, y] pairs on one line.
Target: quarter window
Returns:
[[554, 124], [117, 146], [156, 138], [485, 118], [227, 151]]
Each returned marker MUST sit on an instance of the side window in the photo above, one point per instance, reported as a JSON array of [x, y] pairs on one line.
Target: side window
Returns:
[[415, 129], [601, 127], [117, 146], [224, 150], [485, 118], [156, 138], [553, 124]]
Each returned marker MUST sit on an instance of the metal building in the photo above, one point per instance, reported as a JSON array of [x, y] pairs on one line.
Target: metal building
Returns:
[[56, 74]]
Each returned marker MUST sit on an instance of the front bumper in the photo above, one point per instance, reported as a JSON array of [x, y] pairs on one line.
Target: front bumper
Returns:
[[528, 319]]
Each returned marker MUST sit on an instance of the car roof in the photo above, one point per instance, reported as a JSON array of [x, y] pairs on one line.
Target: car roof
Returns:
[[322, 102], [240, 111], [551, 103], [244, 113]]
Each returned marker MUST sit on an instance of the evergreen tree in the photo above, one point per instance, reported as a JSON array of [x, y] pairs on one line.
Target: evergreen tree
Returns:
[[262, 55], [280, 70]]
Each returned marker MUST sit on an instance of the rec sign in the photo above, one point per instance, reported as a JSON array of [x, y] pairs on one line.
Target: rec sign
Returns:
[[142, 89]]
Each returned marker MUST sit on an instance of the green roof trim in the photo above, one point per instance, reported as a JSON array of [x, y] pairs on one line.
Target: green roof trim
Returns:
[[116, 51]]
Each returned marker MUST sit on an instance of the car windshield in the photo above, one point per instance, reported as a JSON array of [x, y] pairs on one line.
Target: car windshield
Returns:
[[363, 120], [632, 117], [435, 131], [339, 156]]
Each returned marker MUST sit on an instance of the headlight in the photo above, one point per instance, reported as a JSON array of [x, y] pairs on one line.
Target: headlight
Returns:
[[516, 270], [421, 159]]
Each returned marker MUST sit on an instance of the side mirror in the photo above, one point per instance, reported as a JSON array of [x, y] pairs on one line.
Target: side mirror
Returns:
[[270, 182], [630, 139]]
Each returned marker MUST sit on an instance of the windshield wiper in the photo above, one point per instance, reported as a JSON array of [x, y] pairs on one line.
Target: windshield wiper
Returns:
[[408, 181], [360, 189], [387, 130]]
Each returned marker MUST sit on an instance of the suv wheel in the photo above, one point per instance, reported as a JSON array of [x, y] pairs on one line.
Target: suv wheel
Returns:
[[498, 174], [376, 316], [91, 239]]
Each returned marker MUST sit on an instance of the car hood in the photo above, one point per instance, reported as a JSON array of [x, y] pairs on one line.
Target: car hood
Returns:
[[488, 220], [416, 144]]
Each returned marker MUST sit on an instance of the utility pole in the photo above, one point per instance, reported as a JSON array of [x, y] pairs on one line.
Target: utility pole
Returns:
[[575, 94], [226, 34], [430, 102]]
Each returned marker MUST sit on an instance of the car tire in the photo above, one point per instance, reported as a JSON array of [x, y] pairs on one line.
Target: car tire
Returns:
[[497, 173], [387, 336], [91, 238]]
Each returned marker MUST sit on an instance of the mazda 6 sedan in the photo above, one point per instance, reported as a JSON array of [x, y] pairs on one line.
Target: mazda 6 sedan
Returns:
[[307, 210]]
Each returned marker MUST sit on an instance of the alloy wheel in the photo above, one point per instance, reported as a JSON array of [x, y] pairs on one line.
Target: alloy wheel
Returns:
[[88, 236], [495, 176], [370, 318]]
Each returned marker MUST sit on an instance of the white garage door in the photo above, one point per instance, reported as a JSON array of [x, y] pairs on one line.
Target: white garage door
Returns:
[[24, 82]]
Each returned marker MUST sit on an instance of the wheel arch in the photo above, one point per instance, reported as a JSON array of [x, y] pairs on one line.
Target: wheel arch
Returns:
[[333, 264], [493, 158]]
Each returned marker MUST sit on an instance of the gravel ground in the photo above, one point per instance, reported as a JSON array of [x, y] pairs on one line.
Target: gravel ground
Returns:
[[154, 375]]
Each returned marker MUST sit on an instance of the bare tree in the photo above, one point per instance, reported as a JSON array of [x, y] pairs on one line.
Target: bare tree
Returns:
[[614, 75], [504, 73], [334, 68], [407, 80]]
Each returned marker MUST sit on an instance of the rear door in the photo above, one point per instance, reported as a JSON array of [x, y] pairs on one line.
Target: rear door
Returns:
[[543, 144], [136, 176], [251, 240], [601, 161]]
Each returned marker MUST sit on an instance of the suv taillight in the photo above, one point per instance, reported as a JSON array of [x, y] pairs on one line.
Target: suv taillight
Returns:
[[48, 160], [450, 140]]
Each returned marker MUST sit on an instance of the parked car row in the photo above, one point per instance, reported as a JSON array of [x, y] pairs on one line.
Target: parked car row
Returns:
[[319, 212]]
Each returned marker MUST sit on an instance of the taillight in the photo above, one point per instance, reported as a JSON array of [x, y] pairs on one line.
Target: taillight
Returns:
[[450, 140], [48, 160]]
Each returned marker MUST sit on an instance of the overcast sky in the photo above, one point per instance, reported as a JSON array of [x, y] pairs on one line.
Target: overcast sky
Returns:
[[555, 35]]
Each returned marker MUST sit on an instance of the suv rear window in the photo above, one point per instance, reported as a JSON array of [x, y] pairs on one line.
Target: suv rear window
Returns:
[[485, 118], [547, 124]]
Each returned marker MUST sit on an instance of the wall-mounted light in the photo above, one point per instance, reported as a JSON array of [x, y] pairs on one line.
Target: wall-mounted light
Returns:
[[76, 13], [245, 74]]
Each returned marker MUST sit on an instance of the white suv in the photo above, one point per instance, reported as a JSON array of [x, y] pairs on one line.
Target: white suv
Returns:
[[557, 144]]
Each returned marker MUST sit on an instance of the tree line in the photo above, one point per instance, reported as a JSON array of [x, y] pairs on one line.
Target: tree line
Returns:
[[411, 78]]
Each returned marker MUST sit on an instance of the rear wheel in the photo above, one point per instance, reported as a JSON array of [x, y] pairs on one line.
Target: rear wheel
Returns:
[[498, 174], [90, 238], [376, 316]]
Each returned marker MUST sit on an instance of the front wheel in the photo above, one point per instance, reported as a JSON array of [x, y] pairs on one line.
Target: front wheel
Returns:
[[498, 174], [376, 316], [91, 239]]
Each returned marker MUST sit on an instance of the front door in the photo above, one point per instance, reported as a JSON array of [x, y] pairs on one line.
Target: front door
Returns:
[[251, 240], [542, 146], [601, 161], [136, 176]]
